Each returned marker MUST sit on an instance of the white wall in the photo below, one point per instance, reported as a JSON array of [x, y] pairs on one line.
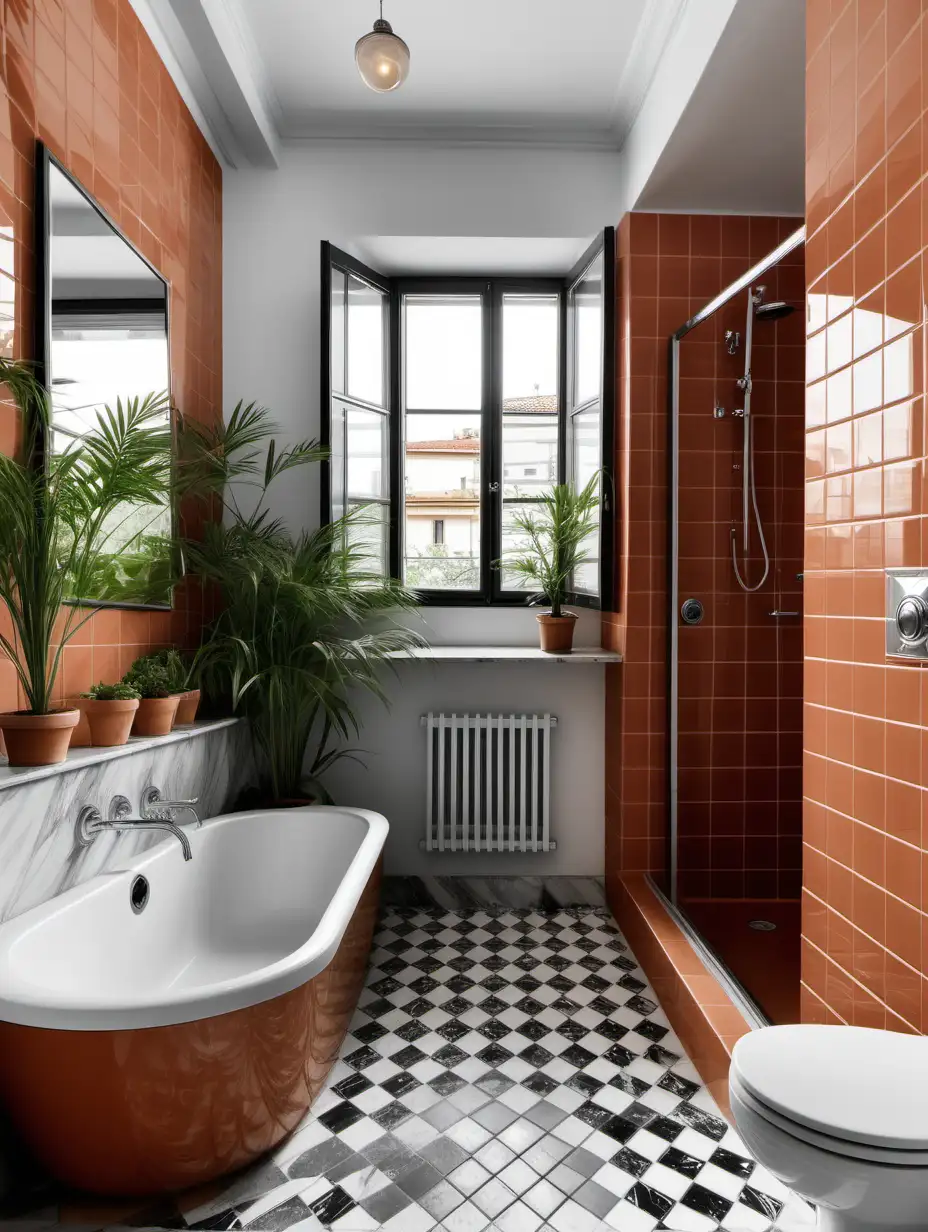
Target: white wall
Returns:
[[274, 223], [393, 778]]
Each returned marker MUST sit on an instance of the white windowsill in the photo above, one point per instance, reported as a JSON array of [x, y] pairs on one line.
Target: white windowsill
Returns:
[[506, 654]]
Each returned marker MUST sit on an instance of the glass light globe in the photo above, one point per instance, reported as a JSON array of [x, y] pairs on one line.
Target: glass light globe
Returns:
[[382, 58]]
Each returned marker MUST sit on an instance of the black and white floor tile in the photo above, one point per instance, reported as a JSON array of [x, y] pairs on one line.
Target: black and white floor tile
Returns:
[[507, 1070]]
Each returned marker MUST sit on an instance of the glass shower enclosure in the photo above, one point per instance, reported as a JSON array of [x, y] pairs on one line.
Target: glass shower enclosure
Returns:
[[737, 426]]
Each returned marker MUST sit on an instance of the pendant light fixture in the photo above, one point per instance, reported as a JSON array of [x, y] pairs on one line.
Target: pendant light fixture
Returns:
[[382, 57]]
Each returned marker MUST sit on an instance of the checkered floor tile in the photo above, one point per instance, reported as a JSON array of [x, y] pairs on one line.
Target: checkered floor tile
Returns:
[[508, 1070]]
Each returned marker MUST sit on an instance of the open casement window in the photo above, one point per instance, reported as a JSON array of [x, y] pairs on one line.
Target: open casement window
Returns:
[[452, 405], [357, 404], [590, 408]]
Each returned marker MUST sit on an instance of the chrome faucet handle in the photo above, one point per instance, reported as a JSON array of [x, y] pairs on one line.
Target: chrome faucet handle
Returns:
[[89, 824], [119, 809], [153, 805]]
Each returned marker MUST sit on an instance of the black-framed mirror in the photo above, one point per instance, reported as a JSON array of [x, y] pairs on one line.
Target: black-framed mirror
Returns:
[[102, 334]]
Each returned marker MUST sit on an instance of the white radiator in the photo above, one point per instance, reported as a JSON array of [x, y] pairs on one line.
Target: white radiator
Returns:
[[488, 782]]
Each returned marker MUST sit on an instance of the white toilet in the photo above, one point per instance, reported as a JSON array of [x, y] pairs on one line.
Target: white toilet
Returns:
[[840, 1115]]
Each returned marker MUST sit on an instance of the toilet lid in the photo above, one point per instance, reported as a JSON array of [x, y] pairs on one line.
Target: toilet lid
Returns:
[[852, 1083]]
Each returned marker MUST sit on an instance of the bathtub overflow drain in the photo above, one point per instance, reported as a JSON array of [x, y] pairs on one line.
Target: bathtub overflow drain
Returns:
[[763, 926], [139, 894]]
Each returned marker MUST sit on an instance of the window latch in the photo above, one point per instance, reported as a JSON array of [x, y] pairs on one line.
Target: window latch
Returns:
[[493, 487]]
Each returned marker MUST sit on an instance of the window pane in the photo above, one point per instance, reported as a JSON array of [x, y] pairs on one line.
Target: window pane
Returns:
[[337, 458], [529, 454], [368, 533], [444, 352], [530, 397], [530, 329], [514, 539], [442, 486], [586, 453], [367, 454], [337, 328], [365, 341], [588, 334]]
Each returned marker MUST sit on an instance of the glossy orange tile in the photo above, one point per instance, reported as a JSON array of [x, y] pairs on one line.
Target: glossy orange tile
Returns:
[[73, 71]]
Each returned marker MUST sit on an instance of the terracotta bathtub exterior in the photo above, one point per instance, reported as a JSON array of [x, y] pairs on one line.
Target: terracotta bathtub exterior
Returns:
[[161, 1108]]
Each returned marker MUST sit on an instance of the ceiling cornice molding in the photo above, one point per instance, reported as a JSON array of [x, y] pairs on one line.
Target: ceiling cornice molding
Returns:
[[162, 27], [239, 23], [424, 135], [208, 50], [655, 30]]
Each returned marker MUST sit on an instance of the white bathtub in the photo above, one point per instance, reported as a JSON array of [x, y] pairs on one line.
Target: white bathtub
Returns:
[[258, 911]]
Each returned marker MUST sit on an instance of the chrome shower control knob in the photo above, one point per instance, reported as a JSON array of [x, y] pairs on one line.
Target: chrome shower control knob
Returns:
[[912, 620], [692, 612]]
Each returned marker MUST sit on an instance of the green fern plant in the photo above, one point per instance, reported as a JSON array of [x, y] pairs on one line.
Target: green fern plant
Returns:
[[57, 520], [553, 539], [304, 621]]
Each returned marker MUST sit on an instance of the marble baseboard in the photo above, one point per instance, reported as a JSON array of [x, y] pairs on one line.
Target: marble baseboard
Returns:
[[469, 893], [39, 857]]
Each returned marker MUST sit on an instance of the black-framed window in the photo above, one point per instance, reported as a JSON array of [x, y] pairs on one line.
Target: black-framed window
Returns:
[[356, 420], [491, 390]]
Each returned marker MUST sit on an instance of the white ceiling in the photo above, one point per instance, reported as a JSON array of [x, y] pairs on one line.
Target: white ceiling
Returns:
[[702, 100], [532, 70]]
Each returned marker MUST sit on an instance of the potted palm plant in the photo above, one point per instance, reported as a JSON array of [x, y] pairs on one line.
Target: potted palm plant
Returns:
[[304, 619], [551, 550], [57, 521], [110, 711]]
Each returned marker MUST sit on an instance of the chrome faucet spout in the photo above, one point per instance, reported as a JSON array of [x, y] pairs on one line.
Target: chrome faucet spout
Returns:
[[169, 827], [91, 822]]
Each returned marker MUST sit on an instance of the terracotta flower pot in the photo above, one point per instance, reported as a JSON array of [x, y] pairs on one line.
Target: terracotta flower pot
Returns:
[[155, 716], [187, 705], [80, 736], [110, 722], [38, 739], [557, 632]]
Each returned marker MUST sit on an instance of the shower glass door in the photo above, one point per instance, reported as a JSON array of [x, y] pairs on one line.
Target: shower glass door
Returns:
[[736, 673]]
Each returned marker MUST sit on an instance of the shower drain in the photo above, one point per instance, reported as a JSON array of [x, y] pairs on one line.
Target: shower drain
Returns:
[[762, 926]]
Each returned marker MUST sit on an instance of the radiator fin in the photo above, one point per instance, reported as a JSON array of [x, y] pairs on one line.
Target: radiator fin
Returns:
[[487, 782]]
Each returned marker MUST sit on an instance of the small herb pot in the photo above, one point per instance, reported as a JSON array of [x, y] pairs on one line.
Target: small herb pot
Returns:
[[155, 716], [557, 632], [110, 722], [38, 739], [187, 705]]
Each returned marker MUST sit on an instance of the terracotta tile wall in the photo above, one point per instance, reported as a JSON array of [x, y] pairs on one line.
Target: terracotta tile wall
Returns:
[[669, 266], [866, 753], [740, 670], [83, 76]]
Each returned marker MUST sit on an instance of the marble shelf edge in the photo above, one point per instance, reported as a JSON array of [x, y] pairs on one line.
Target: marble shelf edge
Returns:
[[583, 655], [82, 759]]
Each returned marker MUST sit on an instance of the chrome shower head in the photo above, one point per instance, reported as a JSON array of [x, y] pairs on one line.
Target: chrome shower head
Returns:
[[775, 311]]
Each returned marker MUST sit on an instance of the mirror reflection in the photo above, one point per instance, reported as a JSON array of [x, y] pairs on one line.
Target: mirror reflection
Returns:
[[108, 345]]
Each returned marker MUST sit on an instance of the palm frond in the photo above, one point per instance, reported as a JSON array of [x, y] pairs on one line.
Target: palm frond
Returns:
[[553, 538], [57, 521]]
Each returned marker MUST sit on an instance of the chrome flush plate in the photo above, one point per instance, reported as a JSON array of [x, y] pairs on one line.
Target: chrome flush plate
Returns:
[[907, 613]]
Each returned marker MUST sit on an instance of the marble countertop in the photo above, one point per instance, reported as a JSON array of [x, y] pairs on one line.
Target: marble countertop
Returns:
[[79, 759]]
